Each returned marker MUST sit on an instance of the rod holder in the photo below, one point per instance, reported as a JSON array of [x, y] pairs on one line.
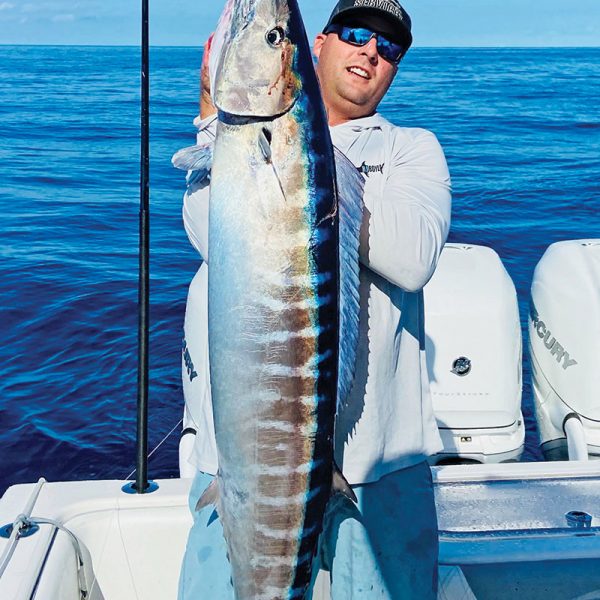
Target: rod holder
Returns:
[[131, 488]]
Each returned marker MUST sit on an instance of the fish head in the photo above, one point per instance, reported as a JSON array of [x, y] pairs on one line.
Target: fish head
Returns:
[[255, 72]]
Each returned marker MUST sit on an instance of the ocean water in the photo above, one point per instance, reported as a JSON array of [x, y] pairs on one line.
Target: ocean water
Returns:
[[520, 128]]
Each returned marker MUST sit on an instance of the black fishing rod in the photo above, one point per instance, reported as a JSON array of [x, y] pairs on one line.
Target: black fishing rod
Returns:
[[141, 485]]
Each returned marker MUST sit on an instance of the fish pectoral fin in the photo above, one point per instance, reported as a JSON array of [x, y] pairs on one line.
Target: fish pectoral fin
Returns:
[[339, 485], [197, 161], [264, 143], [209, 496]]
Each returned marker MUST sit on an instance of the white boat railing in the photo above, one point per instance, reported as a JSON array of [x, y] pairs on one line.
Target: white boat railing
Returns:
[[576, 441], [19, 525]]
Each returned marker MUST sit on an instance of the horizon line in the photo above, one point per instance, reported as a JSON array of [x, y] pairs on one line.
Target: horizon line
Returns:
[[424, 47]]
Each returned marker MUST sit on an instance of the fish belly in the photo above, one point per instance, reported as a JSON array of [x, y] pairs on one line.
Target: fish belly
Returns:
[[273, 372]]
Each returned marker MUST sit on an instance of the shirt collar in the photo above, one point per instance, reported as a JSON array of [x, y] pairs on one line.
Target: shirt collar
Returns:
[[374, 121]]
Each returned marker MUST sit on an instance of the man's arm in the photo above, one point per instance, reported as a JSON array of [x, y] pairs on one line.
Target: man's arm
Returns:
[[195, 200], [207, 108], [404, 231]]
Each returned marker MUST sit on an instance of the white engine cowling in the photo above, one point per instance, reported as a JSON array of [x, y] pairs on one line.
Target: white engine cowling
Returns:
[[473, 345], [564, 343]]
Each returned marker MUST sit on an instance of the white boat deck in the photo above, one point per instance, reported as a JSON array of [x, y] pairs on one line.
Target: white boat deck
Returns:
[[503, 525], [132, 544]]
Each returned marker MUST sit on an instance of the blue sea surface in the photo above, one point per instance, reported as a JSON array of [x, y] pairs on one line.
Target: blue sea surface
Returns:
[[520, 128]]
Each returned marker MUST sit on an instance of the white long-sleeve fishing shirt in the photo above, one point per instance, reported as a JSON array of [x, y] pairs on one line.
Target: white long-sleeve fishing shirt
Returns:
[[389, 422]]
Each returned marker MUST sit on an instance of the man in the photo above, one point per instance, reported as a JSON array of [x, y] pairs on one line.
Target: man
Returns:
[[386, 545]]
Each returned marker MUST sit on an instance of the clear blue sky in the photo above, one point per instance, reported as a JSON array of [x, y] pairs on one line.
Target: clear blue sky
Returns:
[[188, 22]]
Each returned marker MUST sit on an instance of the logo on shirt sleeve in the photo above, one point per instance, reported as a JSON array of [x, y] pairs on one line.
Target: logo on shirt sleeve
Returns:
[[187, 359], [367, 169]]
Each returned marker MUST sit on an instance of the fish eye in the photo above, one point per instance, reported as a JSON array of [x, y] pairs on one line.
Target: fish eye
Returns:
[[275, 37]]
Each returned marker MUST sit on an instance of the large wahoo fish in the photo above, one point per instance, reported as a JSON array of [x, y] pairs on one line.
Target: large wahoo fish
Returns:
[[283, 296]]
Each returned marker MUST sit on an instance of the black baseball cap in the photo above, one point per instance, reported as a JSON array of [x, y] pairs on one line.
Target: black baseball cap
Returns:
[[383, 16]]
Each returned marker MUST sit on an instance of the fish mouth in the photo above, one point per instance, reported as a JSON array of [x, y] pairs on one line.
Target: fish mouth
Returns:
[[359, 72]]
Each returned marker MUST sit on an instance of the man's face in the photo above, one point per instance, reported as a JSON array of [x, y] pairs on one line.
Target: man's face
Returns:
[[353, 79]]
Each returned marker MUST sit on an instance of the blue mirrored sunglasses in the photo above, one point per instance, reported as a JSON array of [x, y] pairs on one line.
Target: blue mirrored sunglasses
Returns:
[[359, 36]]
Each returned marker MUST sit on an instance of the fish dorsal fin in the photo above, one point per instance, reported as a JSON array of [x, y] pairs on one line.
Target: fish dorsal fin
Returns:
[[197, 160], [350, 188]]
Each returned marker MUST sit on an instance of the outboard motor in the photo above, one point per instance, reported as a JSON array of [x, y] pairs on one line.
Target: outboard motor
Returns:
[[473, 346], [564, 344]]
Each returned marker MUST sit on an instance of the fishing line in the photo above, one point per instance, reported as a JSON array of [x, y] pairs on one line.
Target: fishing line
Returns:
[[180, 422]]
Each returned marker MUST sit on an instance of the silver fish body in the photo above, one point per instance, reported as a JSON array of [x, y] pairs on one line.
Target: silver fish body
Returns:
[[273, 351], [274, 299]]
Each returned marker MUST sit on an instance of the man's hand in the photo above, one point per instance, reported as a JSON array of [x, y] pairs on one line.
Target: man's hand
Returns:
[[207, 108]]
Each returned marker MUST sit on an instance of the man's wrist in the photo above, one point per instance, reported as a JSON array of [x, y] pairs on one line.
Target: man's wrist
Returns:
[[207, 108]]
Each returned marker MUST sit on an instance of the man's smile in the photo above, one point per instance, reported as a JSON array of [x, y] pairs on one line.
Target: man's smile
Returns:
[[359, 71]]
